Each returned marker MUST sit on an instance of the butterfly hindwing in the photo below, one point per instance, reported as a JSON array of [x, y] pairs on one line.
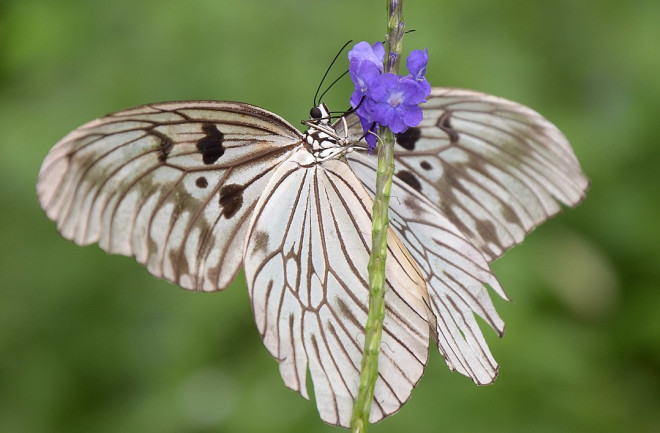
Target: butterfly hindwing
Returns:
[[172, 184], [306, 266], [455, 273]]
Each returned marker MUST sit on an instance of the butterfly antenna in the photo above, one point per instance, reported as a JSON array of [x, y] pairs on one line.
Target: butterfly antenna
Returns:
[[332, 84], [318, 89]]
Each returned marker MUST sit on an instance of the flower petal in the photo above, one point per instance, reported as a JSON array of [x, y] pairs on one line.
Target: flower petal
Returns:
[[416, 63], [363, 52], [413, 91], [379, 51], [370, 128], [382, 86], [412, 116]]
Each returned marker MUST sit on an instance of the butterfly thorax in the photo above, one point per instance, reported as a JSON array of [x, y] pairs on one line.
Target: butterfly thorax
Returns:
[[321, 138]]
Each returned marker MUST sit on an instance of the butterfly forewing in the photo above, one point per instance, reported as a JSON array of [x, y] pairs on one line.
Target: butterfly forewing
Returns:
[[172, 184], [306, 266], [495, 168]]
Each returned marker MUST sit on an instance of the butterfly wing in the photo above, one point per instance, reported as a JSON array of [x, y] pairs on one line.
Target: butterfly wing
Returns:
[[471, 180], [455, 273], [495, 168], [173, 184], [306, 267]]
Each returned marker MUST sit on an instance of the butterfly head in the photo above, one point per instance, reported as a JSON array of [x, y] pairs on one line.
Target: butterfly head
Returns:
[[320, 114], [321, 138]]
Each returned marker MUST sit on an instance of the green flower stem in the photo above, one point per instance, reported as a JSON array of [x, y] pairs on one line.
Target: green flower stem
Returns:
[[374, 326]]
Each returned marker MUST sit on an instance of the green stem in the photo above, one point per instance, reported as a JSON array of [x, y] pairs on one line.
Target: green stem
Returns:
[[374, 326]]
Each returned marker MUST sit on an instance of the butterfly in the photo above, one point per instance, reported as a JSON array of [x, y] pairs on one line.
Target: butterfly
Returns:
[[194, 190]]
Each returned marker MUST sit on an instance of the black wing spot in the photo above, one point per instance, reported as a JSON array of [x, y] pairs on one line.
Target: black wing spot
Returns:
[[445, 124], [413, 204], [210, 146], [260, 240], [408, 139], [410, 179], [201, 182], [231, 199], [165, 145], [509, 214], [488, 231], [425, 165]]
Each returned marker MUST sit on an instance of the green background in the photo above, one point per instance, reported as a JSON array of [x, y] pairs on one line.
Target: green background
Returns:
[[90, 342]]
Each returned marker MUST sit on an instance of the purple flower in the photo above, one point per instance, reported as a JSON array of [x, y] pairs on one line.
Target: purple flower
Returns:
[[394, 101], [386, 99], [362, 75], [416, 64], [365, 64]]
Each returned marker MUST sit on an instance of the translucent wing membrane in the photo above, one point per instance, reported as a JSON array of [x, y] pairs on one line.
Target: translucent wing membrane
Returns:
[[172, 184], [306, 266], [495, 168]]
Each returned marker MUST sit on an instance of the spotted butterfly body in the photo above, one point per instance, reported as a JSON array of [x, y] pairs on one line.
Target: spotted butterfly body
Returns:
[[193, 190]]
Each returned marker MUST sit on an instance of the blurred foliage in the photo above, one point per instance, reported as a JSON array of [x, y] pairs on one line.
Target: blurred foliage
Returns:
[[90, 342]]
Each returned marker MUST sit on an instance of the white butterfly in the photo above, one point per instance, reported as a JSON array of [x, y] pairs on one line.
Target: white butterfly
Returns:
[[193, 190]]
